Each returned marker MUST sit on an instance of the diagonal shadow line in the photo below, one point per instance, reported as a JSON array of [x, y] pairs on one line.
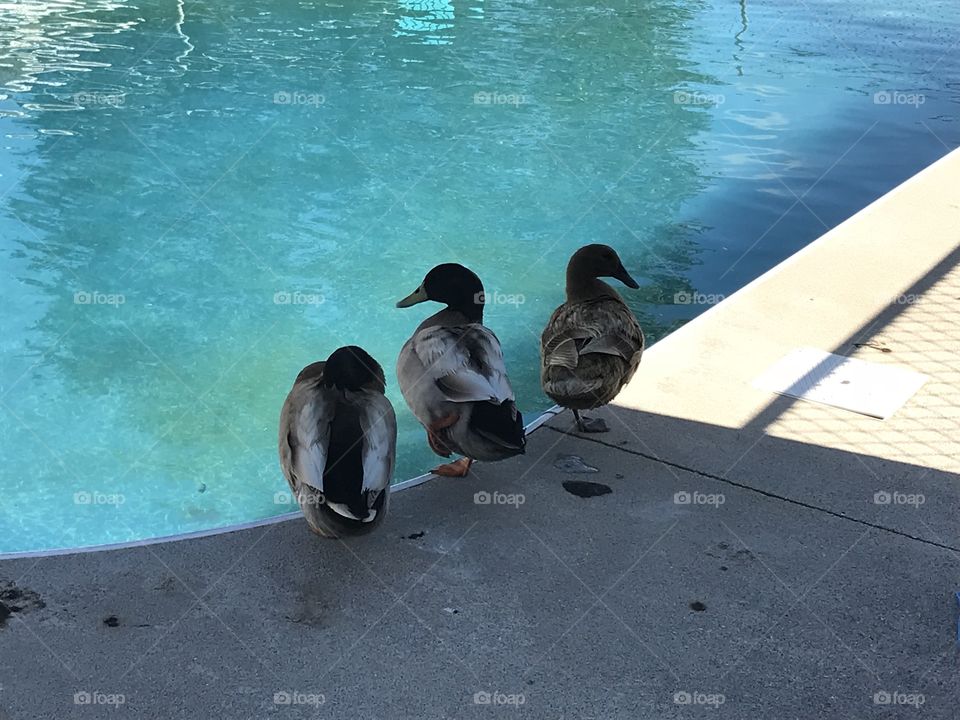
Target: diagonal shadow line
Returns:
[[887, 315], [766, 493]]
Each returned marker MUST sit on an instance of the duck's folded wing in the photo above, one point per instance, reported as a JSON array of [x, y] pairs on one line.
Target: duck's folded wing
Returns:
[[604, 327], [563, 348], [379, 425], [612, 345], [467, 386], [305, 435], [465, 362]]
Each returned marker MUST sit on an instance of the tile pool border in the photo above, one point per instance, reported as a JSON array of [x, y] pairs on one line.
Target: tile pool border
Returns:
[[403, 485]]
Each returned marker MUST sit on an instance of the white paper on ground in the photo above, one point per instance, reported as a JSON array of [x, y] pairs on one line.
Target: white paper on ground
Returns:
[[863, 387]]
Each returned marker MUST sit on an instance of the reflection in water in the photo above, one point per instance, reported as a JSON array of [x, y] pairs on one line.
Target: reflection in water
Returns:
[[40, 39], [737, 38], [178, 26], [430, 21]]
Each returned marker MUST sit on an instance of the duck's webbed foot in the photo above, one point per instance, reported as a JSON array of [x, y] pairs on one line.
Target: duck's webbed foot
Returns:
[[458, 468], [590, 425]]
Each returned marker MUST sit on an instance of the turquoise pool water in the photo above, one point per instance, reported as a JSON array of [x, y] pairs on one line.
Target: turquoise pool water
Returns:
[[197, 199]]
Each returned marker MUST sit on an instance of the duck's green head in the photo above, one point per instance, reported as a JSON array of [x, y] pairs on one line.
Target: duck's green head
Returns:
[[597, 261], [353, 368], [453, 285]]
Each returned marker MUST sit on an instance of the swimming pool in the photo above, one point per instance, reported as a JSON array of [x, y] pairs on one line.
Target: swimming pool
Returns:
[[196, 200]]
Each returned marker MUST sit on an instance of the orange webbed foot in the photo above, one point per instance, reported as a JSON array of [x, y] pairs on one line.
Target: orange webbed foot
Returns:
[[458, 468]]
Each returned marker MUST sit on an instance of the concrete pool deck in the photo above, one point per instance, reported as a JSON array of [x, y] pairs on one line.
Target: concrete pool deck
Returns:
[[783, 591]]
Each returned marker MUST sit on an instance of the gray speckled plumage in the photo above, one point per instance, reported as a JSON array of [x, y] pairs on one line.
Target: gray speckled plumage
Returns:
[[337, 450], [450, 366]]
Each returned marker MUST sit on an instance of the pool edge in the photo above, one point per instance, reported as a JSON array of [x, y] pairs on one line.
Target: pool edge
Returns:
[[235, 527]]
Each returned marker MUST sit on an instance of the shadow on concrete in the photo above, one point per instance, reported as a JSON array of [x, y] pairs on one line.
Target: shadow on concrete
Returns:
[[899, 474]]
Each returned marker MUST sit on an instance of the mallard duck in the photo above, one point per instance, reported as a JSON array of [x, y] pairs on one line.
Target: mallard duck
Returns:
[[338, 440], [592, 345], [452, 375]]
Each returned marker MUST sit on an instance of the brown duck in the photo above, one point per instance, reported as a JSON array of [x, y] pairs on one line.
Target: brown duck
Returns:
[[592, 345]]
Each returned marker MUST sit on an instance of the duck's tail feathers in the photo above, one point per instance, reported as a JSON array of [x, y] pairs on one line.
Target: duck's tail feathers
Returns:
[[568, 390], [336, 519], [501, 424], [362, 508]]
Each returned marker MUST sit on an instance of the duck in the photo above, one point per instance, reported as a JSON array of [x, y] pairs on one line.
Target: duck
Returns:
[[453, 377], [592, 344], [338, 443]]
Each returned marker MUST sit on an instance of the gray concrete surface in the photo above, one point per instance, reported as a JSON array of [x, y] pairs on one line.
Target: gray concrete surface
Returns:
[[582, 606]]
